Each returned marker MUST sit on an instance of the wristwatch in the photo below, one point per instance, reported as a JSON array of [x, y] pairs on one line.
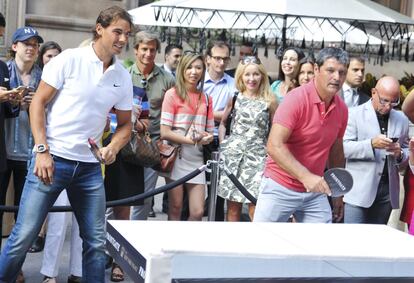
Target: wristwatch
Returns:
[[40, 148]]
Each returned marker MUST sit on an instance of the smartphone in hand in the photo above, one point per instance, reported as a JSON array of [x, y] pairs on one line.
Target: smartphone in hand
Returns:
[[95, 150], [22, 90]]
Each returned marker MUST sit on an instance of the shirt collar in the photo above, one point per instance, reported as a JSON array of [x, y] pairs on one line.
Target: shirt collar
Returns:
[[167, 69], [94, 58], [314, 97], [155, 71], [346, 87], [207, 78]]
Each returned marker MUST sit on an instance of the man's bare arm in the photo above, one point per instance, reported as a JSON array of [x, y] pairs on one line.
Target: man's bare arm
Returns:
[[408, 106], [278, 151], [44, 163], [120, 137]]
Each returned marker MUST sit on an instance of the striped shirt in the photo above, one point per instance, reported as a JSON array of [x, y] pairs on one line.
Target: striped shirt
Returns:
[[178, 113]]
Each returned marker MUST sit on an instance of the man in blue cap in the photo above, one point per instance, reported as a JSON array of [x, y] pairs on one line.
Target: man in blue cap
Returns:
[[22, 71]]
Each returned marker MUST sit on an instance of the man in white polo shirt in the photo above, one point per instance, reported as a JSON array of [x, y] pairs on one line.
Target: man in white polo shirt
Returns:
[[78, 89]]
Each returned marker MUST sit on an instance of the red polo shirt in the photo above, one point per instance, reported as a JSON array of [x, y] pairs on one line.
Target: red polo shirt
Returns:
[[314, 131]]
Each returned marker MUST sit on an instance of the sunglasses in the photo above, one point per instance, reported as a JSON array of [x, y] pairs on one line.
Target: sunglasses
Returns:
[[385, 102], [191, 52], [144, 83], [250, 60]]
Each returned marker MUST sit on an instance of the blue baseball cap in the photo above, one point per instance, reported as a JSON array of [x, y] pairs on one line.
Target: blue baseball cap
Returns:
[[24, 33]]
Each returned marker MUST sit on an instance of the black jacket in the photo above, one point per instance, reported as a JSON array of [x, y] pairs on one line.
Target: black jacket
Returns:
[[6, 111]]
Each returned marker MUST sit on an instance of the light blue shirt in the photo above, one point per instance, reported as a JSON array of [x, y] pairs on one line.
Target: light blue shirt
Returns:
[[220, 92]]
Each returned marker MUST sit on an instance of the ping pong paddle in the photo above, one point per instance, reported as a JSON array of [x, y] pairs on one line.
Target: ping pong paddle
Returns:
[[339, 180], [95, 150]]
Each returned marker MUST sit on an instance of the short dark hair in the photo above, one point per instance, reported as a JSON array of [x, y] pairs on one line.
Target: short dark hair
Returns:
[[2, 21], [172, 46], [216, 43], [109, 15], [48, 45], [332, 52], [358, 58], [247, 43]]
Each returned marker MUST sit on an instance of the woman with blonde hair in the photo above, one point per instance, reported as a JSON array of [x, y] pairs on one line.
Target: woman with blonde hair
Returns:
[[187, 120], [244, 150]]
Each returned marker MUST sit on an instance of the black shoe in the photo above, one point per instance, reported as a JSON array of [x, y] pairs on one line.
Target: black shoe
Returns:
[[151, 213], [38, 245], [109, 260], [74, 279]]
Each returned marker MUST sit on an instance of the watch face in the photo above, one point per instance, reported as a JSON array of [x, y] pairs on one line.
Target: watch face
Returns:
[[41, 148]]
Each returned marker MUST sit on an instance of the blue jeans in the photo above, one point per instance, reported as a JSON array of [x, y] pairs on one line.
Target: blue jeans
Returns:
[[277, 203], [84, 185]]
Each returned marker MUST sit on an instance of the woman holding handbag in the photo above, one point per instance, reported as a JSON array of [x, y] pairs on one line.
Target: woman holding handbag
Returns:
[[184, 123], [244, 150]]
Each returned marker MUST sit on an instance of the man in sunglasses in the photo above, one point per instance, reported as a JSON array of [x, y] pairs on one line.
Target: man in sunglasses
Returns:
[[375, 146], [150, 83]]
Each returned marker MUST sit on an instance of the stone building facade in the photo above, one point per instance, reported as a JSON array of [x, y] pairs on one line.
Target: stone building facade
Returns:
[[66, 22]]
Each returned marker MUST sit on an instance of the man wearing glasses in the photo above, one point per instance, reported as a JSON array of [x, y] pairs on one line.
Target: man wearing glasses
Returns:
[[375, 145], [220, 86]]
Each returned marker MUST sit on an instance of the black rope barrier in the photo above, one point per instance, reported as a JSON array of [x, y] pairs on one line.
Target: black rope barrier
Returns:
[[239, 185], [128, 200]]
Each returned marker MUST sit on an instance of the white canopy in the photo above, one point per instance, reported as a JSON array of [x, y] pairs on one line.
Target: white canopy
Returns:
[[318, 30], [272, 14]]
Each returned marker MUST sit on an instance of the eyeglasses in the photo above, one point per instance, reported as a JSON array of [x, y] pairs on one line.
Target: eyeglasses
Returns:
[[220, 59], [385, 102], [144, 83], [250, 60]]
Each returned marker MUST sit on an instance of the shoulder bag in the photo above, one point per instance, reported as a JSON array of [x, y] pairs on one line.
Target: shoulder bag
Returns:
[[141, 150]]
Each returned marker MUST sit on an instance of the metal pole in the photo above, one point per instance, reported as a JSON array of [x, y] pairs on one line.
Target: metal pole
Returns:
[[214, 179], [284, 33]]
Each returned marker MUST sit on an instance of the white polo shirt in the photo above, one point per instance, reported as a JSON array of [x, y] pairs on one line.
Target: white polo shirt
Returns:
[[84, 98]]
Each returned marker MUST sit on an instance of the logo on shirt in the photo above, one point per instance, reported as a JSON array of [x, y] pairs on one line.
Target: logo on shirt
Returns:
[[117, 85]]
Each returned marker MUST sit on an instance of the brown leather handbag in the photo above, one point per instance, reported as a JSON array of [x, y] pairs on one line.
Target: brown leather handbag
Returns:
[[141, 150], [168, 154]]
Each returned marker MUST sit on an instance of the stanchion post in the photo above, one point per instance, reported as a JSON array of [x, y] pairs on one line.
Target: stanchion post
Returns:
[[214, 181]]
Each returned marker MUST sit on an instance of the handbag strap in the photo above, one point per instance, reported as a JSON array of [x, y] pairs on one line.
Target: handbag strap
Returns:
[[208, 106], [236, 93], [195, 112]]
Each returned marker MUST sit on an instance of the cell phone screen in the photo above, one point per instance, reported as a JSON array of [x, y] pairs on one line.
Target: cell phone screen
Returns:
[[95, 150]]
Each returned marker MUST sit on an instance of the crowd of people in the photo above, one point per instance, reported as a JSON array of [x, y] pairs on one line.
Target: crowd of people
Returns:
[[277, 138]]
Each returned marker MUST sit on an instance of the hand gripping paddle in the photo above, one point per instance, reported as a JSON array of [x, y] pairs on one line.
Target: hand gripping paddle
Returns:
[[339, 180]]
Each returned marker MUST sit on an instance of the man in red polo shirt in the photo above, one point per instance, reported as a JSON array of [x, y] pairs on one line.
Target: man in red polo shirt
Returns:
[[306, 137]]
